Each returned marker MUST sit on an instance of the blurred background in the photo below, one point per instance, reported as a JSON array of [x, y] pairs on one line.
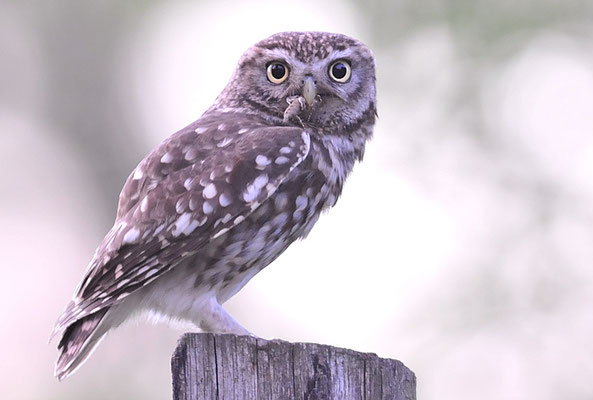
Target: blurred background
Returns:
[[462, 245]]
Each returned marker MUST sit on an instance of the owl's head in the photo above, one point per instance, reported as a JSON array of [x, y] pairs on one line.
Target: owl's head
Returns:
[[332, 75]]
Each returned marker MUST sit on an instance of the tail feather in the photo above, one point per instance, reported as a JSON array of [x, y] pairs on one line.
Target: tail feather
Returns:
[[78, 342]]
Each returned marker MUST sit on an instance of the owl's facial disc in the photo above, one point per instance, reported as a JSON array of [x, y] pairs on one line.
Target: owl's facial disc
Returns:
[[309, 90]]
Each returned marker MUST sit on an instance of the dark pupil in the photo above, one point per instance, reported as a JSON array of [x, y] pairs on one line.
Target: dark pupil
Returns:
[[339, 70], [278, 71]]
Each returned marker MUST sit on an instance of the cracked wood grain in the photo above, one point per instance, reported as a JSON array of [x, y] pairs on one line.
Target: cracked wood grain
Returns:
[[209, 366]]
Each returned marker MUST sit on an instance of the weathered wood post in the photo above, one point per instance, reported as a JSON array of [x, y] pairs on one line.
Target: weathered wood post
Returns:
[[209, 366]]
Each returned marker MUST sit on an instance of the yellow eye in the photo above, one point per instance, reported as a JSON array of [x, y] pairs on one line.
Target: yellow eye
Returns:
[[340, 71], [277, 72]]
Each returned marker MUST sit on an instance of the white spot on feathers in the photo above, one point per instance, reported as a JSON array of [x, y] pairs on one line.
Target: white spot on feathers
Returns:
[[250, 193], [167, 158], [270, 188], [225, 200], [179, 206], [209, 191], [160, 228], [182, 224], [131, 236], [199, 130], [253, 190], [220, 232], [281, 160], [262, 160], [221, 127], [144, 204], [143, 270], [207, 207], [119, 271], [152, 272], [122, 283], [307, 140], [224, 142], [138, 174], [285, 150], [242, 131], [121, 296], [191, 227], [301, 203], [260, 181], [190, 154], [187, 184]]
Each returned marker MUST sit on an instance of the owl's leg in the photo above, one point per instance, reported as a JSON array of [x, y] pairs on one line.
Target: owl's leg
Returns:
[[214, 318]]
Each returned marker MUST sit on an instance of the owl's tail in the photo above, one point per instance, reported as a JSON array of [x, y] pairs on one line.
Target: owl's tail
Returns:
[[78, 342]]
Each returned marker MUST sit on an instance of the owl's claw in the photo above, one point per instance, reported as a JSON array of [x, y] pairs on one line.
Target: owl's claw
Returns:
[[213, 318]]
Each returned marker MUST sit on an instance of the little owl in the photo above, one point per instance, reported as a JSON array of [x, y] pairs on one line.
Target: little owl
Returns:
[[219, 200]]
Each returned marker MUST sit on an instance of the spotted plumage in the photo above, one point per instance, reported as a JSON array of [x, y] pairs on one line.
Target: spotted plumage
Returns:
[[219, 200]]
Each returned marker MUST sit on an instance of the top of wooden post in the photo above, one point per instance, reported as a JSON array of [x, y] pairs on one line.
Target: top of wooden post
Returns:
[[208, 366]]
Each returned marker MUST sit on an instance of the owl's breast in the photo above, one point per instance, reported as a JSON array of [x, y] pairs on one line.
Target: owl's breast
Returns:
[[311, 188], [228, 262]]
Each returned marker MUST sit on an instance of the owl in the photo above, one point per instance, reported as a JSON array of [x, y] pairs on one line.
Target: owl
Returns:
[[219, 200]]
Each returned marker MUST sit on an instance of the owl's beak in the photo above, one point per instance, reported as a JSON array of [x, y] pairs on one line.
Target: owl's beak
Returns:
[[309, 90]]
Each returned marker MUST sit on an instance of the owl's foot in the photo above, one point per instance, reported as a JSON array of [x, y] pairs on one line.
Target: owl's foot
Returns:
[[214, 318]]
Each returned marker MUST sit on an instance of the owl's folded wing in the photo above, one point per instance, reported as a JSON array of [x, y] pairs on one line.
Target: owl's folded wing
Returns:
[[194, 187]]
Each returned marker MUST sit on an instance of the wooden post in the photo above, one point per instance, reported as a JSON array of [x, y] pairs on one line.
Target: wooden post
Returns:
[[209, 366]]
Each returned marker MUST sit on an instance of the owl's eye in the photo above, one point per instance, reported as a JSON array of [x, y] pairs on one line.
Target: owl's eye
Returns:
[[340, 71], [277, 72]]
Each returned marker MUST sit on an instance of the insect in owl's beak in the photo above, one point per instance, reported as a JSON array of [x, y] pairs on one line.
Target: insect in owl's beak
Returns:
[[309, 90]]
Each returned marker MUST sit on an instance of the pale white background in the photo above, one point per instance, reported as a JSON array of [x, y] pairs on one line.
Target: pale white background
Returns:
[[462, 245]]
